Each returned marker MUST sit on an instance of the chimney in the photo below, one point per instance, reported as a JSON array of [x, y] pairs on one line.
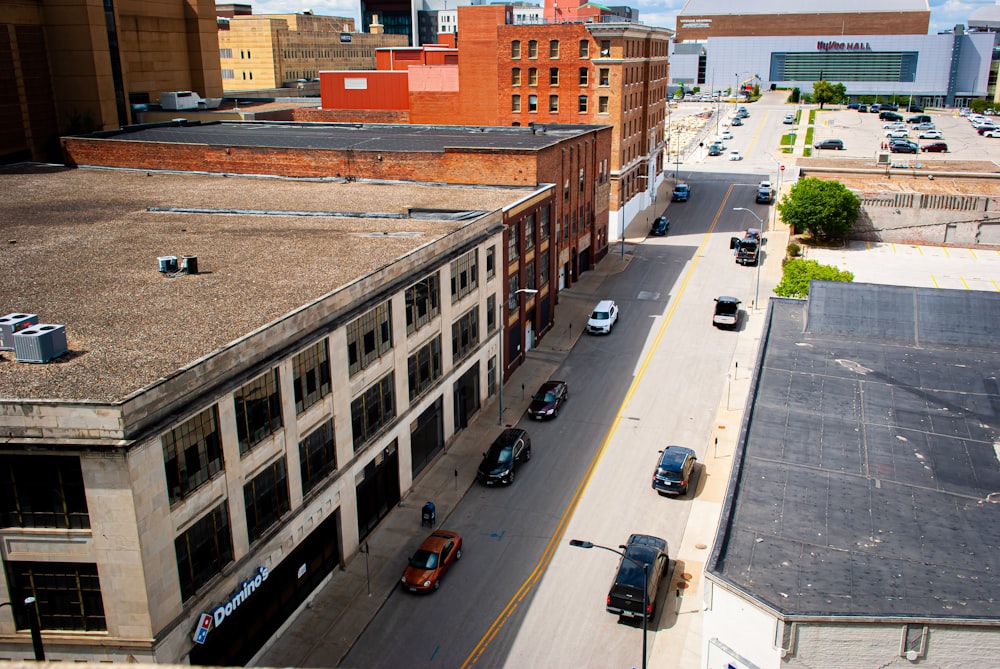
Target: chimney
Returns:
[[376, 28]]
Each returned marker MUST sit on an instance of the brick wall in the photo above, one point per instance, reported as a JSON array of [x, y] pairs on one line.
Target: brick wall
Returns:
[[315, 115], [847, 23]]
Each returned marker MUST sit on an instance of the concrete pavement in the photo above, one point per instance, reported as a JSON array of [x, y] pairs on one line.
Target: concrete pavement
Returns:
[[322, 632]]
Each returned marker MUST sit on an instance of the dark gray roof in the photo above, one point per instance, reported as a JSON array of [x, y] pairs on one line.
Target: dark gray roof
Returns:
[[867, 481], [358, 137]]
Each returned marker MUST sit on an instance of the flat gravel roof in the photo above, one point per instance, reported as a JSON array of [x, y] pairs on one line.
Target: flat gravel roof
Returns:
[[867, 483], [81, 249], [358, 137]]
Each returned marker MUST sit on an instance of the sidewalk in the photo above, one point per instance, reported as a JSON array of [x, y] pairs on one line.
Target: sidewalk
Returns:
[[322, 632]]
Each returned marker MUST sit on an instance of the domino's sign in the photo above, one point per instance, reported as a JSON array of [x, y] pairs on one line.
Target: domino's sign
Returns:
[[219, 614]]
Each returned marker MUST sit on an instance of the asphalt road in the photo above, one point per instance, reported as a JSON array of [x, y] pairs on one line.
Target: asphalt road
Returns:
[[492, 608]]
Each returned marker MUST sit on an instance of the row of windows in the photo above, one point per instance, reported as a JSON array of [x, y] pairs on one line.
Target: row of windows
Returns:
[[464, 275], [527, 231], [42, 491], [225, 53], [532, 49], [582, 104], [583, 76], [293, 53], [292, 75], [368, 338]]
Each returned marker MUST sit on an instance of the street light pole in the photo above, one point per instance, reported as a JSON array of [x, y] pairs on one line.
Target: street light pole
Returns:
[[763, 229], [503, 329], [33, 625], [578, 543]]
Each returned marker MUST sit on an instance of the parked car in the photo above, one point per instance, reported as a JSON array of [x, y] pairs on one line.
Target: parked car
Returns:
[[931, 134], [875, 108], [863, 109], [603, 317], [992, 133], [897, 134], [925, 126], [789, 119], [674, 470], [436, 554], [837, 144], [631, 581], [742, 112], [890, 116], [987, 127], [735, 155], [660, 227], [727, 312], [935, 147], [895, 125], [903, 147], [736, 121], [500, 462], [919, 118], [914, 108], [715, 150], [546, 402], [725, 135]]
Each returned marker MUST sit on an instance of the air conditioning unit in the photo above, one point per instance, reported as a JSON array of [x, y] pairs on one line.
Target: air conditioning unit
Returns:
[[40, 343], [167, 264], [12, 323]]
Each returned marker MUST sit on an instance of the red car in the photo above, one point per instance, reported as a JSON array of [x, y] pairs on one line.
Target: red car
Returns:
[[438, 552], [935, 147]]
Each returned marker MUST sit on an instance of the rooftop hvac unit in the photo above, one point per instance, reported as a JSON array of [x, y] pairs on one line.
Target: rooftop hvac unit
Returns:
[[10, 324], [40, 343], [167, 264]]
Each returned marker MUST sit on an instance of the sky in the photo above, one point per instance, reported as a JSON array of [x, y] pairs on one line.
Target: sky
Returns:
[[945, 14]]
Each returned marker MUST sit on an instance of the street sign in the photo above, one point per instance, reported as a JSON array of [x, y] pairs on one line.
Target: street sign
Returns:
[[782, 168]]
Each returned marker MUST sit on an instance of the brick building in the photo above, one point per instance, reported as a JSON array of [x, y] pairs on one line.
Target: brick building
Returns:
[[77, 66], [273, 50], [605, 71]]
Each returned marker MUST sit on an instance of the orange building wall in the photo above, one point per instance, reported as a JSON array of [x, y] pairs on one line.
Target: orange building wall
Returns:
[[820, 23], [479, 65], [385, 90]]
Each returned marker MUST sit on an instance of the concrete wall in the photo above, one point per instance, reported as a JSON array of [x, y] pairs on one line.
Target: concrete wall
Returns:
[[920, 218]]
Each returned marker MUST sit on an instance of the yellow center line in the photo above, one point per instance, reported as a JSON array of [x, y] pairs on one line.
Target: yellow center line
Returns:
[[560, 530], [935, 281]]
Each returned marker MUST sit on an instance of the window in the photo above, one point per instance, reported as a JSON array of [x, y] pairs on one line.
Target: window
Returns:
[[423, 302], [228, 74], [532, 76], [373, 409], [605, 48], [513, 285], [914, 640], [553, 76], [543, 222], [532, 103], [532, 49], [192, 454], [582, 104], [515, 49], [258, 410], [67, 595], [529, 232], [513, 243], [491, 262], [553, 48], [581, 179], [584, 48], [311, 375], [465, 334], [602, 104], [584, 76], [368, 337], [203, 550], [553, 103], [317, 456], [515, 103], [225, 53], [266, 499], [515, 77], [42, 491], [491, 313], [543, 269], [464, 275], [604, 77], [529, 276], [424, 367]]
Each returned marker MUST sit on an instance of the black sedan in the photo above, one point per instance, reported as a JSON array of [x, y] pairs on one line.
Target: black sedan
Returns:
[[546, 402], [660, 227]]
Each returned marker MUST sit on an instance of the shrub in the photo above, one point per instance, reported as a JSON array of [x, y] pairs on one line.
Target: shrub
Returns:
[[794, 250]]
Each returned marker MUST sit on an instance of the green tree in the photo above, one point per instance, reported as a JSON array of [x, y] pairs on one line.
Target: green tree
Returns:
[[824, 209], [793, 97], [798, 272], [824, 91]]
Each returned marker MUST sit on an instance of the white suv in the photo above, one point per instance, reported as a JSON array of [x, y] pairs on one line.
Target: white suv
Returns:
[[603, 318]]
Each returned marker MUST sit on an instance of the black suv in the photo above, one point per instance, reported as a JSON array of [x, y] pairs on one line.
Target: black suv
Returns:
[[674, 470], [499, 462], [625, 596], [890, 116]]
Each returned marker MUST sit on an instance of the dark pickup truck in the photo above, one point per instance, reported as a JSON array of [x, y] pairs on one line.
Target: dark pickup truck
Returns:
[[625, 597], [747, 248]]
